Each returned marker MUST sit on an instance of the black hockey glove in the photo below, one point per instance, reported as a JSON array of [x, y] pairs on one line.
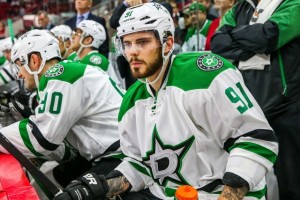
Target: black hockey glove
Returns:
[[23, 110], [24, 103], [91, 186]]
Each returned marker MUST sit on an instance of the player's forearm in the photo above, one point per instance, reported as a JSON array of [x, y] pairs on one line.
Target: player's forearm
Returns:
[[232, 193], [117, 186]]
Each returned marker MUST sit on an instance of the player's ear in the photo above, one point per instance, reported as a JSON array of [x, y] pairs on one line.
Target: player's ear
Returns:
[[35, 61], [169, 44]]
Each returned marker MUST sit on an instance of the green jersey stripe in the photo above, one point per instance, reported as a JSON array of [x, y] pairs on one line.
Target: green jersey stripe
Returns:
[[25, 137], [117, 88], [2, 77], [257, 149], [258, 194], [140, 168]]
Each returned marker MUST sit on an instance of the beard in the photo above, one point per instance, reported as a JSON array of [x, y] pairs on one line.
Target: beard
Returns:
[[151, 68], [30, 85]]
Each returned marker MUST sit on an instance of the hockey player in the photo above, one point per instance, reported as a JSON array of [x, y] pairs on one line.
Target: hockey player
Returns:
[[63, 33], [86, 39], [4, 74], [7, 71], [190, 120], [78, 106], [22, 102]]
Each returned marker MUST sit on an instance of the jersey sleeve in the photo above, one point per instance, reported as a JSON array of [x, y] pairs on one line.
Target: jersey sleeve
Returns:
[[61, 104], [17, 134], [132, 167], [233, 119]]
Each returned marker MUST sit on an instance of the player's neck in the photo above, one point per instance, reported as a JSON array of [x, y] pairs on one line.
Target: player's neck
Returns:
[[157, 85], [85, 51]]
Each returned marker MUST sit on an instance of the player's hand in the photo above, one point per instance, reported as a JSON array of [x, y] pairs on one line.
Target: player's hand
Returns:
[[233, 193], [91, 186], [23, 103], [63, 196], [23, 110]]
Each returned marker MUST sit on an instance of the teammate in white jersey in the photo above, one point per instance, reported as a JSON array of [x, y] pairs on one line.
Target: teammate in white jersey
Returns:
[[86, 39], [7, 71], [63, 34], [77, 111], [190, 120]]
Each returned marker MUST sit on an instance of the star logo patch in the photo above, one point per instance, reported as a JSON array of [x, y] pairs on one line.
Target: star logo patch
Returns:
[[164, 161], [96, 60], [55, 70], [209, 62]]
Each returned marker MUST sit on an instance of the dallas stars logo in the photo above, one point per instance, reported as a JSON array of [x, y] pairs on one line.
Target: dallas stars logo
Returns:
[[96, 59], [56, 70], [209, 62], [164, 161]]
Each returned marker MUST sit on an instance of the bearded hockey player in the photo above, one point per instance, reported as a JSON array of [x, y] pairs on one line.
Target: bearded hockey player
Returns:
[[190, 120]]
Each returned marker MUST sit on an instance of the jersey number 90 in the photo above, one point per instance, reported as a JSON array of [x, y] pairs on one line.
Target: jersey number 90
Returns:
[[55, 103]]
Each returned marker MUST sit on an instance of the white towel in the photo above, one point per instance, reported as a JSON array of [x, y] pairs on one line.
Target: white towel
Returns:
[[262, 13]]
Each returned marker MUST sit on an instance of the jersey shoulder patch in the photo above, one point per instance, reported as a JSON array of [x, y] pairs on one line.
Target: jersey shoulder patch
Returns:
[[55, 70], [209, 62], [95, 59], [196, 70], [68, 72]]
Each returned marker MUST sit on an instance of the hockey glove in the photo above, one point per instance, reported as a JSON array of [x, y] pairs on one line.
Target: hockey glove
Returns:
[[17, 107], [24, 103], [62, 196], [91, 186]]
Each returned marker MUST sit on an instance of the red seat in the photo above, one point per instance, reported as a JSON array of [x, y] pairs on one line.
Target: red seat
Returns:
[[14, 184]]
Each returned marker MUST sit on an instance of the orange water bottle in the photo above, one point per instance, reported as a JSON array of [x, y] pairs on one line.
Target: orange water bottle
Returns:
[[186, 192]]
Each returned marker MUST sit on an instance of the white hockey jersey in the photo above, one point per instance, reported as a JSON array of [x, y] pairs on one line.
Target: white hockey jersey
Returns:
[[7, 73], [78, 103], [202, 123]]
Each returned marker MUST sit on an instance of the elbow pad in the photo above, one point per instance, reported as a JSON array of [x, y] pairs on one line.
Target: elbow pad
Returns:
[[234, 180]]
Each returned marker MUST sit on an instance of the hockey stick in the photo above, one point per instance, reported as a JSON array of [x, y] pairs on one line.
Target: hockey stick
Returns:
[[34, 171]]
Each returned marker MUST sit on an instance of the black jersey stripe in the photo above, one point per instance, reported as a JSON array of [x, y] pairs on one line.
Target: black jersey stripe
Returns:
[[8, 74], [261, 134], [41, 139]]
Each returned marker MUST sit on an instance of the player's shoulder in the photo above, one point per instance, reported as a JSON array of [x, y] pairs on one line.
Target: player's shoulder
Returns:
[[138, 91], [65, 71], [197, 70], [96, 58]]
